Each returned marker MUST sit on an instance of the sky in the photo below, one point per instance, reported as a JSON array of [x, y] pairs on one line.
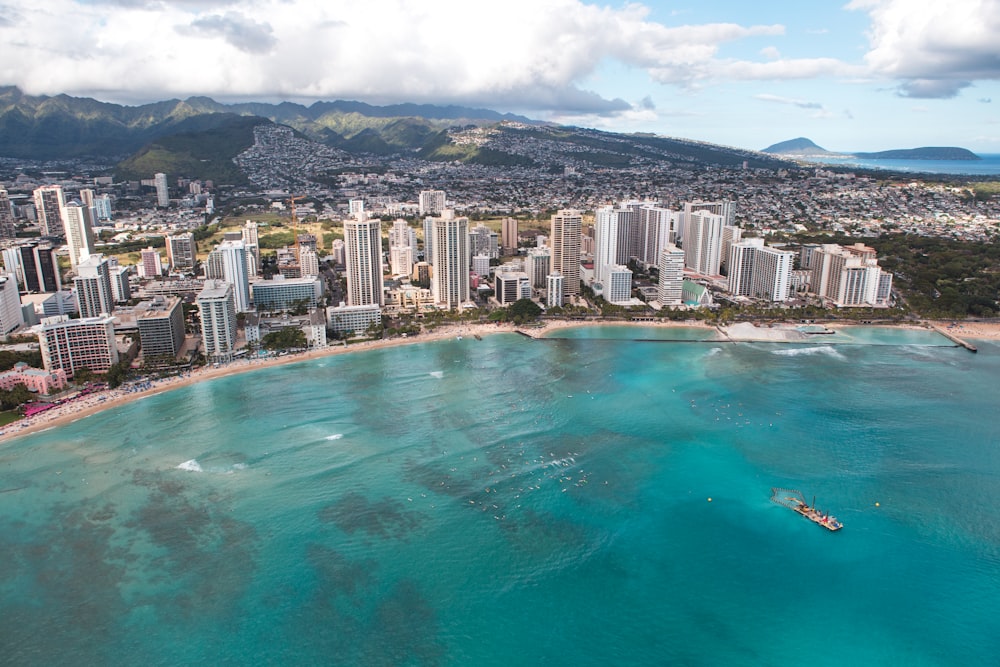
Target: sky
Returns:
[[862, 75]]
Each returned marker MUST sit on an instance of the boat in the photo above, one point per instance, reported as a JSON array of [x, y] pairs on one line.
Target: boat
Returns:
[[795, 501]]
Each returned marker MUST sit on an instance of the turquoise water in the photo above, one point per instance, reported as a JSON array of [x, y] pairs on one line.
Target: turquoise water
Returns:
[[987, 166], [511, 501]]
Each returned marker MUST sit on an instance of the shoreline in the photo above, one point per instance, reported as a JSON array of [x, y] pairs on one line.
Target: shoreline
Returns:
[[92, 404]]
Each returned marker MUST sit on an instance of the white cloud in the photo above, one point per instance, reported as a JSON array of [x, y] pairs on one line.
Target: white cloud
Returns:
[[770, 52], [935, 49], [523, 54], [802, 104]]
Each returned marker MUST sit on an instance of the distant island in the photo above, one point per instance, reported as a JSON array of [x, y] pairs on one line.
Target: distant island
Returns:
[[805, 148]]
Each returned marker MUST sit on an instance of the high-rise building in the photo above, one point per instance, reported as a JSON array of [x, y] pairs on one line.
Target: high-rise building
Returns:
[[758, 271], [11, 315], [49, 204], [429, 240], [703, 242], [730, 234], [308, 262], [651, 229], [181, 251], [618, 288], [102, 207], [537, 265], [35, 265], [724, 208], [481, 265], [511, 286], [217, 305], [7, 229], [93, 287], [400, 260], [89, 206], [508, 234], [564, 240], [228, 261], [848, 276], [79, 232], [484, 241], [671, 285], [363, 248], [606, 243], [162, 190], [88, 342], [150, 265], [431, 202], [161, 328], [339, 251], [554, 291], [120, 288], [452, 260]]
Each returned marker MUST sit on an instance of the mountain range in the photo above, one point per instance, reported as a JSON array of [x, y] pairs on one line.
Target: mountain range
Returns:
[[199, 137], [805, 148]]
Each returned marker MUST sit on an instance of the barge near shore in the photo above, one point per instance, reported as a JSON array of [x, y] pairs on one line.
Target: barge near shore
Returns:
[[795, 501]]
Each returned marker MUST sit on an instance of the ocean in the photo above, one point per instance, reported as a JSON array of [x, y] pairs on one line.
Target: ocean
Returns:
[[588, 500], [989, 165]]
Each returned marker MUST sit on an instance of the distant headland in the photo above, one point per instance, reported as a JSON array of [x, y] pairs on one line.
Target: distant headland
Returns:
[[805, 148]]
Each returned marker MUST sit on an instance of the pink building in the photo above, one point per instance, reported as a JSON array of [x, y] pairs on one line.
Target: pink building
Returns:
[[35, 379]]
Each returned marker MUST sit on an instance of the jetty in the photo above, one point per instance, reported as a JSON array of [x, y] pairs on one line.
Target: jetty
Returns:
[[953, 338], [795, 501]]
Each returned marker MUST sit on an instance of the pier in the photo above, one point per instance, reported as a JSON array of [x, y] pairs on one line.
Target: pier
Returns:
[[953, 338]]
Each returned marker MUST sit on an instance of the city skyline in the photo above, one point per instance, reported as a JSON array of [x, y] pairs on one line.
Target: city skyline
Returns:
[[858, 75]]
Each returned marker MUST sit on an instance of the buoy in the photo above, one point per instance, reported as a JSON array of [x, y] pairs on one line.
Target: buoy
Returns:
[[709, 500], [876, 504]]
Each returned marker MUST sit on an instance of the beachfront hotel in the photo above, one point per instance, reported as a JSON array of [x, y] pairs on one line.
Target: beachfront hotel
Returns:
[[285, 293], [759, 271], [11, 315], [566, 226], [452, 261], [670, 289], [363, 250], [218, 320], [703, 242], [161, 328], [70, 345], [228, 262]]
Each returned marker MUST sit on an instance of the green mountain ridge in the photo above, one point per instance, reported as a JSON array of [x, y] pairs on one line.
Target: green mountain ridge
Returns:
[[199, 137]]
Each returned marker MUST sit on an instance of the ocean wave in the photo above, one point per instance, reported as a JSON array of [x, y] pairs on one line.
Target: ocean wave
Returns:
[[335, 436], [191, 466], [828, 350], [437, 374]]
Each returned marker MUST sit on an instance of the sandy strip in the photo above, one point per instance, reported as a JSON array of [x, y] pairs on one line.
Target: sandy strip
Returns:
[[94, 403]]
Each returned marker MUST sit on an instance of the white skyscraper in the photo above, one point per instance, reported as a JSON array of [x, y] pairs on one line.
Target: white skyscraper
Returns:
[[162, 191], [181, 251], [758, 271], [228, 261], [79, 232], [703, 243], [565, 243], [429, 240], [656, 227], [618, 288], [218, 320], [93, 287], [363, 249], [49, 204], [11, 316], [606, 244], [554, 290], [538, 264], [452, 260], [671, 285], [308, 262]]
